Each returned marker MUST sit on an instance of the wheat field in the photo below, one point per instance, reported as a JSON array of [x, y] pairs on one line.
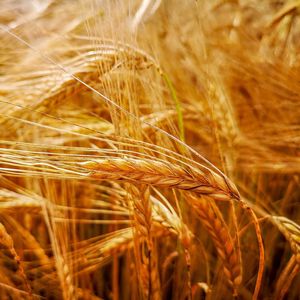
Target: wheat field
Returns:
[[149, 149]]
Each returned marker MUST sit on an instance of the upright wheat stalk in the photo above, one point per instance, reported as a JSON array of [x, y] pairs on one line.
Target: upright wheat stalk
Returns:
[[142, 208]]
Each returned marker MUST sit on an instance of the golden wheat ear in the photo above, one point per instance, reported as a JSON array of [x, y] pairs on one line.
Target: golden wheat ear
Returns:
[[291, 231], [7, 241], [163, 175], [212, 220]]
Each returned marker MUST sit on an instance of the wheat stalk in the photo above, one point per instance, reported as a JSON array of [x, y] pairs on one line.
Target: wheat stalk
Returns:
[[286, 278], [142, 214]]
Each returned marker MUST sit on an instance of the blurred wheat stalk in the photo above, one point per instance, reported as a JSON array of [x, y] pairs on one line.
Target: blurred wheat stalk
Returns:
[[149, 149]]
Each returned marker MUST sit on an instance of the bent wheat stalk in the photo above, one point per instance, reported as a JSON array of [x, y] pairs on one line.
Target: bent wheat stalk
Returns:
[[286, 278]]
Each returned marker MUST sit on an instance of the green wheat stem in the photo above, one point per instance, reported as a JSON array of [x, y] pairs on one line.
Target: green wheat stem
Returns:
[[177, 104]]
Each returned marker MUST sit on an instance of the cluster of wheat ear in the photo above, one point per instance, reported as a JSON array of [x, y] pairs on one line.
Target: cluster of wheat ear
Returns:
[[149, 149]]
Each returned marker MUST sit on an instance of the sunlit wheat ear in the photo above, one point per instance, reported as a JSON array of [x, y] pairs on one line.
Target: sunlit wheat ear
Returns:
[[50, 88], [212, 220], [291, 231], [7, 241], [170, 220], [162, 175]]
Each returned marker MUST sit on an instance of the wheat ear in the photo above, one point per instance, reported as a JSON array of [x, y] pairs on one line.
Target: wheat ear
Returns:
[[7, 241], [211, 217], [291, 231], [164, 174]]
